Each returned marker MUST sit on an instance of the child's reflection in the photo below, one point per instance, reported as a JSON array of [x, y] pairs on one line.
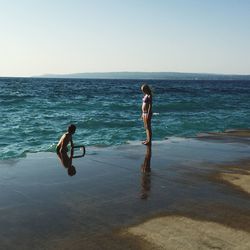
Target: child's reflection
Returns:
[[145, 169], [67, 161]]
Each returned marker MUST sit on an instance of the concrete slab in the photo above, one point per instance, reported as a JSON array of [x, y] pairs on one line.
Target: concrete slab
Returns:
[[113, 188]]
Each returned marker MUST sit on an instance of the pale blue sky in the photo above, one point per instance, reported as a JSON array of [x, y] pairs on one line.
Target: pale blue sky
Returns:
[[69, 36]]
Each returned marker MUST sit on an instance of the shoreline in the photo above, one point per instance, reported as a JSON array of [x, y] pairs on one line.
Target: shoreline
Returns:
[[229, 135], [114, 191]]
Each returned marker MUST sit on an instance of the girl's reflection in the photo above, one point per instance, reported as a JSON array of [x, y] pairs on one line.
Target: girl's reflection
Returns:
[[145, 169], [67, 161]]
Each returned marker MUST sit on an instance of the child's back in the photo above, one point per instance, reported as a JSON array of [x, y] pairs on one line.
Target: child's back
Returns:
[[66, 139], [63, 142]]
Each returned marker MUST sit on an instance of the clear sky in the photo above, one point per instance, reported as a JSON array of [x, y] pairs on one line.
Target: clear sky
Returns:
[[76, 36]]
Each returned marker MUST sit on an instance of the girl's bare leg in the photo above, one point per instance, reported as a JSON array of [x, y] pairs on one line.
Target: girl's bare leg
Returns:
[[145, 126], [149, 136], [148, 131]]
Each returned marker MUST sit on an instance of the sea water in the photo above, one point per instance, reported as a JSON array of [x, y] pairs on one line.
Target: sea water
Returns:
[[35, 112]]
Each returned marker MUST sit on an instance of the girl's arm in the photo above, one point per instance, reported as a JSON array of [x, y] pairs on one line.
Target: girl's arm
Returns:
[[150, 105]]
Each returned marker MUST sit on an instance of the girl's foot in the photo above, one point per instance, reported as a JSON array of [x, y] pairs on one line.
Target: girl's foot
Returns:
[[147, 142]]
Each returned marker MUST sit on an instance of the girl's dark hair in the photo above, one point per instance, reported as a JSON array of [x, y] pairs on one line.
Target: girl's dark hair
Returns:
[[71, 128], [146, 89]]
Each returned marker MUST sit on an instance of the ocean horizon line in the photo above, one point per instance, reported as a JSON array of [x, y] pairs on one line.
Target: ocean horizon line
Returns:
[[141, 75]]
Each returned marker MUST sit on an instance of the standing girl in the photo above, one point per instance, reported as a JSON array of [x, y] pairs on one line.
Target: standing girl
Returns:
[[147, 102]]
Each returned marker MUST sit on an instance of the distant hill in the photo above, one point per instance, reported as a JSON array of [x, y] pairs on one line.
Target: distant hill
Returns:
[[150, 75]]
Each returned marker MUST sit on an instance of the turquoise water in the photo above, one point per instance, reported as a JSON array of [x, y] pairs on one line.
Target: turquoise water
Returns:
[[35, 112]]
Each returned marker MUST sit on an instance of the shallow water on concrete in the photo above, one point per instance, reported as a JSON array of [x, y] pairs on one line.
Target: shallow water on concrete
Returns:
[[42, 206]]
